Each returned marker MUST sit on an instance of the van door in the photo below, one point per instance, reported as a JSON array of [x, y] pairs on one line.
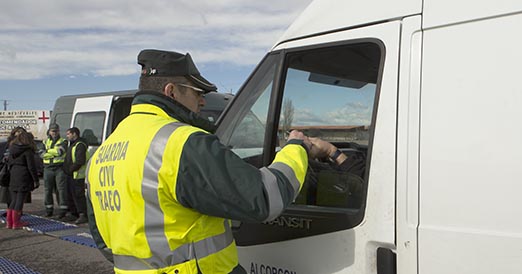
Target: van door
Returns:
[[91, 116], [341, 87]]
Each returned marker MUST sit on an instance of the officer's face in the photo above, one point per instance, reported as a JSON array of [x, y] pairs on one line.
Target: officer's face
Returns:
[[190, 98], [54, 133], [70, 136]]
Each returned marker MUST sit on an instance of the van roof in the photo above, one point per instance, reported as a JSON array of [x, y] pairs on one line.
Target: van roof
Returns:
[[323, 16], [87, 95], [326, 16]]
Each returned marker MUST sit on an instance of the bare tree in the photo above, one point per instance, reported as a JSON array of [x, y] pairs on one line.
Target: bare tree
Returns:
[[288, 115]]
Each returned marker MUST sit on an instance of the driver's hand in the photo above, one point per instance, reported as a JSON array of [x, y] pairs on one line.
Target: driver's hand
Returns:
[[320, 149]]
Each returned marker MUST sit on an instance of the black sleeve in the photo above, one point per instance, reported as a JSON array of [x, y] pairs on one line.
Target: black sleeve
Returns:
[[31, 165], [355, 163], [215, 181]]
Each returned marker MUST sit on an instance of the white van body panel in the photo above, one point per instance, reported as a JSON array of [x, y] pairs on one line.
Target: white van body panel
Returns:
[[444, 12], [444, 184], [471, 149], [407, 212], [330, 15], [352, 250]]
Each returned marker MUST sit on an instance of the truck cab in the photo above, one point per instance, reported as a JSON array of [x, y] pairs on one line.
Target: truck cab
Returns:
[[413, 87]]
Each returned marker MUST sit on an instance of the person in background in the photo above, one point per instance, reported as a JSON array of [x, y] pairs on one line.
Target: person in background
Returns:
[[4, 154], [23, 176], [55, 181], [4, 190], [74, 166], [162, 198]]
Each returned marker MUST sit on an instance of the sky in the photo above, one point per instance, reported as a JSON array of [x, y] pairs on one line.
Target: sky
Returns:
[[62, 47]]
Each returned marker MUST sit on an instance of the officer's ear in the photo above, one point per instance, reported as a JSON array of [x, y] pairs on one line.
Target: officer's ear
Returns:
[[170, 90]]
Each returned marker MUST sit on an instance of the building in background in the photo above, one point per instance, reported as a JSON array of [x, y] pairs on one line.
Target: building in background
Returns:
[[34, 121]]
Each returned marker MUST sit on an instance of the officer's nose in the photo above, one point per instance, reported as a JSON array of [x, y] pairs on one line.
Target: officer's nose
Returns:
[[202, 101]]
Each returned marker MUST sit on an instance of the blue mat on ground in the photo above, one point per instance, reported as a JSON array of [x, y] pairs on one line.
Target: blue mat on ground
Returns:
[[42, 225], [9, 267], [56, 229], [79, 239]]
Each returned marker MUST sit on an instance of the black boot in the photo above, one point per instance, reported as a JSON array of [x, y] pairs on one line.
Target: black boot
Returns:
[[59, 216], [82, 219]]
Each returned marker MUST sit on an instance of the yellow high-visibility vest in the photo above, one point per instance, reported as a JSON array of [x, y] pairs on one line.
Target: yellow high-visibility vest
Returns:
[[54, 154], [131, 184], [80, 173]]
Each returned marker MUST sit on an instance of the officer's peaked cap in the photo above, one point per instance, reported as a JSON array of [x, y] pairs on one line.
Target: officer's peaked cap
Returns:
[[169, 63]]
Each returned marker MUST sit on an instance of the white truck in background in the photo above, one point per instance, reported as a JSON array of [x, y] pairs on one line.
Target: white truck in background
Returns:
[[428, 91], [98, 114]]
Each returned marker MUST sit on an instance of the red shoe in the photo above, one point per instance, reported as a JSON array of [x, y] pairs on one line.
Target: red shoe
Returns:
[[9, 219], [17, 224]]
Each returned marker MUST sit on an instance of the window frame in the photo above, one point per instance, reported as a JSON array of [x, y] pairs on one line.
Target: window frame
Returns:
[[324, 219]]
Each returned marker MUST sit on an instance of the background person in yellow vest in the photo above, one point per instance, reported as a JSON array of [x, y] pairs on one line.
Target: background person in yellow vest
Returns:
[[54, 177], [74, 166], [163, 190]]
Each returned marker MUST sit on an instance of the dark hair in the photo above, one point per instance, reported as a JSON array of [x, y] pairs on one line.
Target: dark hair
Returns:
[[159, 82], [24, 138], [74, 130], [13, 132]]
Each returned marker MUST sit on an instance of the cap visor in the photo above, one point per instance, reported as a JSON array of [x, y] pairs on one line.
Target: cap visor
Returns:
[[203, 83]]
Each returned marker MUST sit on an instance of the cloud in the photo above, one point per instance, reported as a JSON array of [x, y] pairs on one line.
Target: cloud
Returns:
[[306, 117], [353, 113], [101, 38]]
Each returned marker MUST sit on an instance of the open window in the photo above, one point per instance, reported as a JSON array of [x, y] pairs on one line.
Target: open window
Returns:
[[329, 92]]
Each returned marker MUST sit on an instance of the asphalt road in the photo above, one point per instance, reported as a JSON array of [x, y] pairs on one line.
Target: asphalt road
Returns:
[[47, 254]]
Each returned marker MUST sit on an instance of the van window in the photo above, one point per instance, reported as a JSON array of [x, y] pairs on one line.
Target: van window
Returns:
[[120, 109], [246, 132], [330, 93], [91, 126]]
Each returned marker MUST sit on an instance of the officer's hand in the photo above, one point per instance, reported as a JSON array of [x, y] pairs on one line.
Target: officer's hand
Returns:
[[36, 185], [295, 134]]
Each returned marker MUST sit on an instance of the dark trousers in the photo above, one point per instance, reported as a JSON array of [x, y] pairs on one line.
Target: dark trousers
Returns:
[[17, 200], [77, 199], [55, 182]]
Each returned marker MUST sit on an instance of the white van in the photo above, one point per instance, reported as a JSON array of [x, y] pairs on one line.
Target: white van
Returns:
[[98, 114], [423, 89]]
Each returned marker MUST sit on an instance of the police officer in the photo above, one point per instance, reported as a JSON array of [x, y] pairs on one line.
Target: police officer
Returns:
[[54, 177], [74, 166], [162, 190]]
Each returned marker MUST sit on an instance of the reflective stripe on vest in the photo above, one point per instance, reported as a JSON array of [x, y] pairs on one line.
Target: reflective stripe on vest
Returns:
[[273, 193], [163, 256]]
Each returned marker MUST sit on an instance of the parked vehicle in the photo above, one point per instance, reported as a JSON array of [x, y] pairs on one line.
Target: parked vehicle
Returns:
[[419, 87], [98, 114]]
